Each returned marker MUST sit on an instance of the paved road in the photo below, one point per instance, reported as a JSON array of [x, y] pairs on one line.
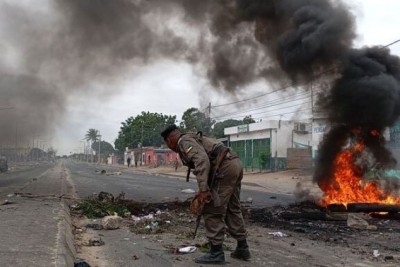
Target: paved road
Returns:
[[151, 187], [21, 176], [34, 230]]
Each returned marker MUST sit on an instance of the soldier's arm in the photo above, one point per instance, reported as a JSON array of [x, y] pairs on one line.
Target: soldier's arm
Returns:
[[199, 157]]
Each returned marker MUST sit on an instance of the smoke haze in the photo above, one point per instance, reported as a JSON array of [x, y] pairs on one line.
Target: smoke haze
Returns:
[[63, 49]]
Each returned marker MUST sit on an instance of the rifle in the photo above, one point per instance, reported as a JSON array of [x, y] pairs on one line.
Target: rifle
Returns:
[[214, 191]]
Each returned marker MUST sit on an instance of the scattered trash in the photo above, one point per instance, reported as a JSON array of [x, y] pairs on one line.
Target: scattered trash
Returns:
[[389, 258], [134, 257], [356, 221], [94, 226], [6, 202], [111, 222], [10, 195], [376, 253], [81, 263], [142, 218], [277, 234], [188, 191], [189, 249], [95, 242]]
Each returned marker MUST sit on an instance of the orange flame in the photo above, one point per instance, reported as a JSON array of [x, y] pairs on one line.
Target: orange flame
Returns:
[[347, 185]]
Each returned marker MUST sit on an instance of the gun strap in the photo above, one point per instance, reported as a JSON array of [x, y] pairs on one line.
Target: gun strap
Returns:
[[188, 174]]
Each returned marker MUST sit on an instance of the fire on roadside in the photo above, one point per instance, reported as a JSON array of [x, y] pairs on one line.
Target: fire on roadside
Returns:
[[347, 184]]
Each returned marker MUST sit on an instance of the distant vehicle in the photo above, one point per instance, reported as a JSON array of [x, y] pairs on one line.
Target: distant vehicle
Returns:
[[3, 164]]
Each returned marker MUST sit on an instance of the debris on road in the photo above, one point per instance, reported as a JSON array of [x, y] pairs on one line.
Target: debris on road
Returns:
[[94, 242], [277, 234], [111, 222], [94, 226], [81, 263], [189, 249], [188, 191]]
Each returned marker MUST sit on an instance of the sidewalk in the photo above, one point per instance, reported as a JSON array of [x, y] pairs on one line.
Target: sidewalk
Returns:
[[35, 226]]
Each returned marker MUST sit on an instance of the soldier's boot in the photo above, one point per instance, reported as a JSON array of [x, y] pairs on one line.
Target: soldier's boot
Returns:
[[215, 256], [242, 251]]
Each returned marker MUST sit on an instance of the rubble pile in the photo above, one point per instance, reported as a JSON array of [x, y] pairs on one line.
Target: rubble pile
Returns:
[[356, 230]]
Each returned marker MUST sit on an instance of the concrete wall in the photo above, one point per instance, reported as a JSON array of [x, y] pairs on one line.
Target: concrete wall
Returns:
[[299, 158]]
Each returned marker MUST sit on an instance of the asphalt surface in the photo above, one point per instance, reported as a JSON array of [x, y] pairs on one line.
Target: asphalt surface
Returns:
[[35, 226], [153, 187], [35, 221]]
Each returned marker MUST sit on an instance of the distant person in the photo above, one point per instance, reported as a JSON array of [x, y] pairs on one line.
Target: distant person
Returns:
[[176, 164], [129, 161], [218, 198]]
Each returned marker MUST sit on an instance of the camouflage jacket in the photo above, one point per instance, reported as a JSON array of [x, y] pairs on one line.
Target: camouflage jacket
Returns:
[[196, 152]]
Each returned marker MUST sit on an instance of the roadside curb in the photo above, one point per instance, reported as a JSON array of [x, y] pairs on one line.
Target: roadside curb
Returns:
[[66, 253]]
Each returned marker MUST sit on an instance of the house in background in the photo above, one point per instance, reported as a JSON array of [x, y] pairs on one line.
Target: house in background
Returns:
[[272, 145], [150, 156]]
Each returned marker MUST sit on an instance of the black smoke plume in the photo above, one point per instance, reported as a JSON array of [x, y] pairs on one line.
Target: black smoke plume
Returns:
[[365, 97], [311, 38]]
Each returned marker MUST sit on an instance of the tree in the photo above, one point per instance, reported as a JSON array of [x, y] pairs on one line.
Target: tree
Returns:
[[194, 120], [91, 136], [218, 130], [144, 129], [248, 120], [105, 148]]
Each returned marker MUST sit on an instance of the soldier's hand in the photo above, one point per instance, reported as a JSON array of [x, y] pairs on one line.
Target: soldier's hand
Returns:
[[198, 202], [204, 196]]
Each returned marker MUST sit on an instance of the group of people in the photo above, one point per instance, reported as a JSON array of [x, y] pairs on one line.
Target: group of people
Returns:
[[219, 174]]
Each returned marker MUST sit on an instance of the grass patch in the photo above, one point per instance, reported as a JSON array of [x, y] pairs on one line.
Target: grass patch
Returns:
[[93, 208]]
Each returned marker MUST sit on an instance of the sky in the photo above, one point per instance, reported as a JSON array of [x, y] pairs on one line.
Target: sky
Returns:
[[163, 84]]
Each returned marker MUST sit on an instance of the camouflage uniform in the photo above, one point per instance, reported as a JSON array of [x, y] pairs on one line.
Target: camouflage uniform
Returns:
[[199, 153]]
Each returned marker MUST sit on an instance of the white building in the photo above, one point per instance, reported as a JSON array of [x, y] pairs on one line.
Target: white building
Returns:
[[266, 144]]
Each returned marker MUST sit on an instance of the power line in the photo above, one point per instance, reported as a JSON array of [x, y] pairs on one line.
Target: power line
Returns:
[[274, 103], [279, 114], [291, 84], [301, 104]]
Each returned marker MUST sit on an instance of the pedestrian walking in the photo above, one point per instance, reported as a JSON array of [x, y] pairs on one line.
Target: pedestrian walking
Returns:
[[129, 161], [219, 173]]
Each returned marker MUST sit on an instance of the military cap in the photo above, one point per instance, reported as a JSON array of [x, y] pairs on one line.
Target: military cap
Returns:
[[168, 130]]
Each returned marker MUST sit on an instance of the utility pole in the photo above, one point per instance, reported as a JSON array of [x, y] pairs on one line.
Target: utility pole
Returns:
[[141, 147], [16, 141], [99, 147]]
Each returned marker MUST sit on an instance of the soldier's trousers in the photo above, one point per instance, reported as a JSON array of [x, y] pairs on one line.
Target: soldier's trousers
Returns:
[[228, 215]]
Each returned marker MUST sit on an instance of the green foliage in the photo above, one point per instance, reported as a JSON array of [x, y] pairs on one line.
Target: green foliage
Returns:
[[218, 130], [105, 148], [143, 129], [248, 120], [194, 120], [92, 135], [93, 208]]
